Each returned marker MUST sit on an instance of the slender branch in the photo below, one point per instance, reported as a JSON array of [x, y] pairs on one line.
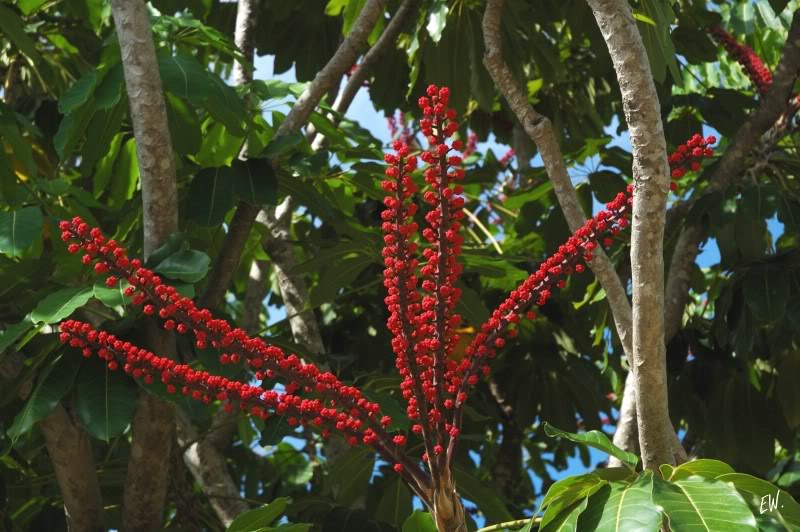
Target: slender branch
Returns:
[[153, 424], [208, 467], [651, 182], [387, 39]]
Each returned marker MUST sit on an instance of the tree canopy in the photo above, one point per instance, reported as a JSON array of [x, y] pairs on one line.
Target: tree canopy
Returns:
[[261, 199]]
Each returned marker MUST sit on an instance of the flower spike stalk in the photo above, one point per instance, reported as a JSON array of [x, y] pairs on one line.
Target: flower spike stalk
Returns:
[[420, 276], [752, 64]]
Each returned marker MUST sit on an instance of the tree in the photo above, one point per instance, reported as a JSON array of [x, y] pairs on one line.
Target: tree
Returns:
[[712, 344]]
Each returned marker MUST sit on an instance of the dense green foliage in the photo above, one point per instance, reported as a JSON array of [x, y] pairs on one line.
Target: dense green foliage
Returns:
[[67, 149]]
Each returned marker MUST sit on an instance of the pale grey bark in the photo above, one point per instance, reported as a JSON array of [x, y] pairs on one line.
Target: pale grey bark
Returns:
[[153, 425], [651, 185], [387, 39], [277, 244], [209, 470], [70, 451]]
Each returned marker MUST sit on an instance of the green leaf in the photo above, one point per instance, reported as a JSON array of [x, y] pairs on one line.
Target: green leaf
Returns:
[[126, 175], [766, 290], [566, 492], [54, 383], [260, 517], [104, 125], [699, 503], [113, 296], [109, 92], [20, 147], [349, 475], [78, 93], [759, 493], [184, 126], [12, 333], [567, 520], [254, 181], [479, 492], [623, 506], [186, 265], [338, 276], [419, 522], [19, 229], [61, 304], [105, 166], [282, 145], [105, 400], [12, 27], [437, 21], [703, 467], [225, 105], [606, 185], [219, 147], [395, 503], [598, 440], [183, 76], [657, 40], [211, 195]]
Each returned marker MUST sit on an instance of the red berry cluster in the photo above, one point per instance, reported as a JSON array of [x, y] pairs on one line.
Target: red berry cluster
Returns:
[[423, 324], [356, 414], [538, 288], [758, 73], [200, 385], [687, 156]]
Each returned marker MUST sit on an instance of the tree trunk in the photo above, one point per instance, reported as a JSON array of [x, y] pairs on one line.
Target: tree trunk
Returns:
[[651, 182], [153, 425]]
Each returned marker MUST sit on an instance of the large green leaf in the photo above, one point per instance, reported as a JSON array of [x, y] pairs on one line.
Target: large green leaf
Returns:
[[566, 521], [259, 518], [395, 503], [349, 476], [60, 304], [126, 175], [78, 93], [105, 400], [485, 498], [184, 126], [211, 196], [419, 521], [699, 503], [18, 230], [12, 333], [12, 27], [623, 506], [113, 296], [54, 383], [102, 128], [598, 440], [760, 494], [254, 181], [703, 467], [766, 291], [186, 265], [566, 492], [183, 76]]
